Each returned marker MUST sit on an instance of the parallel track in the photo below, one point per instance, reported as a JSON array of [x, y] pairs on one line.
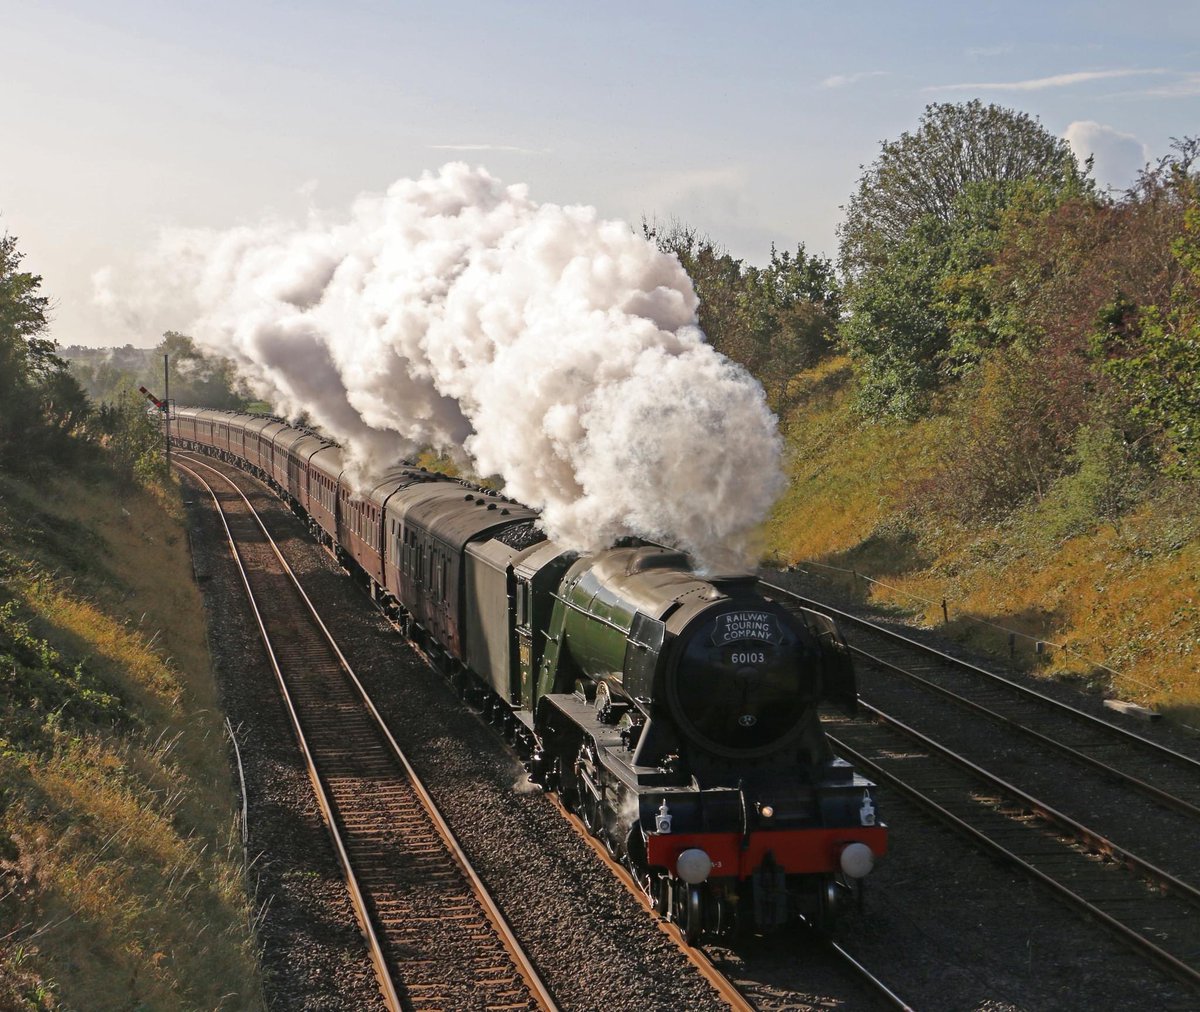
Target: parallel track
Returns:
[[435, 936], [1153, 910], [1169, 776], [1150, 910]]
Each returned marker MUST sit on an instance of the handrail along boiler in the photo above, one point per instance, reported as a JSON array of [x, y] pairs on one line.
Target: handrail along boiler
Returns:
[[677, 714]]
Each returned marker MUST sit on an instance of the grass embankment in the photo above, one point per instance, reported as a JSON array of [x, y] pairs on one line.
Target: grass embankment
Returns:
[[1120, 594], [121, 866]]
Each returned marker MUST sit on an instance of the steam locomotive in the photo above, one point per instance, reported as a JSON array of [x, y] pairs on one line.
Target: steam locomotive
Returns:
[[676, 714]]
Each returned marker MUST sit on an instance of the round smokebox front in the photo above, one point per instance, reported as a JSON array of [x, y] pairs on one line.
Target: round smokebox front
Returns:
[[744, 680]]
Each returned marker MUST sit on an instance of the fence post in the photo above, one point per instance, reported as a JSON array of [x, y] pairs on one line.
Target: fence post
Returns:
[[945, 613]]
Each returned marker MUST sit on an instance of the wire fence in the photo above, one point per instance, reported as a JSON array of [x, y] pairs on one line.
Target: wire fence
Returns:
[[1040, 648]]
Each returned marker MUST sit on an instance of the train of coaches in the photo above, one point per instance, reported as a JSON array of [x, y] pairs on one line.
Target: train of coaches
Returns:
[[676, 713]]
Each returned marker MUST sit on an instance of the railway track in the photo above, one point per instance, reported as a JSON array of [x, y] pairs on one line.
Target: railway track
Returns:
[[1168, 775], [1121, 781], [1085, 859], [435, 936], [1149, 909]]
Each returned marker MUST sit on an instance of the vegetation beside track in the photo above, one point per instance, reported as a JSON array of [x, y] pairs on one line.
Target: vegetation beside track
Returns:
[[121, 863], [1118, 588]]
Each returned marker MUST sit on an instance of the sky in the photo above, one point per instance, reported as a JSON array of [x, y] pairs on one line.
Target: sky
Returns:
[[748, 121]]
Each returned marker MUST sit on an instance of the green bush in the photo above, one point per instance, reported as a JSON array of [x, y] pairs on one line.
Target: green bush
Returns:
[[134, 438], [1103, 482]]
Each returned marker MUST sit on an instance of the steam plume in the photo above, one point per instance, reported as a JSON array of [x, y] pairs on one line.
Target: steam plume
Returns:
[[556, 350]]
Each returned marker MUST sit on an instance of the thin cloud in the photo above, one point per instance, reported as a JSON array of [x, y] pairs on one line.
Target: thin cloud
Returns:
[[844, 80], [717, 196], [1040, 83], [514, 149], [1187, 86]]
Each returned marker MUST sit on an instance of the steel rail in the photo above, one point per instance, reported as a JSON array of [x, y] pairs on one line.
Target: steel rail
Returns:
[[880, 987], [1096, 842], [727, 990], [521, 959], [696, 956], [386, 985], [1136, 940], [1165, 797], [1141, 741]]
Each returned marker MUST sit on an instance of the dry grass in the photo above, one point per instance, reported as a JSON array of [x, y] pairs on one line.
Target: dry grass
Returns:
[[1124, 598], [846, 476], [119, 848]]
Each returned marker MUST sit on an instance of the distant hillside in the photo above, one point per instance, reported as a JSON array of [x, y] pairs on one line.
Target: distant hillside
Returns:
[[195, 378]]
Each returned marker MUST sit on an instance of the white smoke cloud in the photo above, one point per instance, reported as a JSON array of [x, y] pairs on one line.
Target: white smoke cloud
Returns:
[[555, 349], [1118, 156]]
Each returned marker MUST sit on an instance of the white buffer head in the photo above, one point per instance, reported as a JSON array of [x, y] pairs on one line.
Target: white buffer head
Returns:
[[693, 866]]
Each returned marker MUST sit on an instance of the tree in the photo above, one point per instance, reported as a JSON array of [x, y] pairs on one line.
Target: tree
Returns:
[[41, 404], [924, 173], [133, 436], [788, 312], [1152, 351], [774, 320], [922, 222], [894, 331], [196, 378]]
